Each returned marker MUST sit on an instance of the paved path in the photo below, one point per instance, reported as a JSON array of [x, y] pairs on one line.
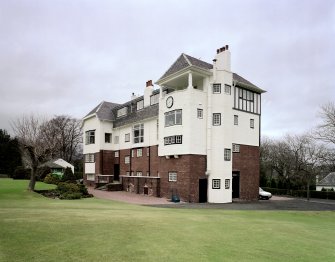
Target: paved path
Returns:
[[275, 203]]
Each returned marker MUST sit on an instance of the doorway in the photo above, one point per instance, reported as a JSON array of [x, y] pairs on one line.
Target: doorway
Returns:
[[203, 190], [116, 172], [236, 185]]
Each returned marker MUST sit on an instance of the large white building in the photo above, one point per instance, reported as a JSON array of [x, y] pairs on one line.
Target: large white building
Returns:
[[198, 135]]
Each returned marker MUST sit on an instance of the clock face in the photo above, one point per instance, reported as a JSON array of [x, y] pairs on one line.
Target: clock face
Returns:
[[169, 102]]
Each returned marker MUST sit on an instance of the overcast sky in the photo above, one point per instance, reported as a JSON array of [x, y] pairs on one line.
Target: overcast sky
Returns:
[[65, 57]]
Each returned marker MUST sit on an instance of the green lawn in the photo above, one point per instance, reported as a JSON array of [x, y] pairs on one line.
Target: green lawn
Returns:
[[34, 228]]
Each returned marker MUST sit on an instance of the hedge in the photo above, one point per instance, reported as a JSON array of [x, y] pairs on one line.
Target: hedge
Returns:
[[301, 193]]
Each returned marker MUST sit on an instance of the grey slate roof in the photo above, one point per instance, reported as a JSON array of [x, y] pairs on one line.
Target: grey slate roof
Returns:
[[103, 110], [184, 61], [329, 180]]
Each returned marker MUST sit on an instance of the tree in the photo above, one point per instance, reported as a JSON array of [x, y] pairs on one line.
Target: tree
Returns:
[[33, 145], [10, 157], [326, 131], [63, 137]]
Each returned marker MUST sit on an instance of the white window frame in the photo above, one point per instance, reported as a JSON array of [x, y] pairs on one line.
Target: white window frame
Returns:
[[139, 152], [227, 154], [227, 89], [227, 183], [127, 137], [216, 119], [200, 113], [154, 99], [217, 88], [139, 173], [122, 112], [132, 152], [89, 158], [236, 148], [148, 151], [174, 117], [108, 138], [116, 154], [252, 123], [236, 120], [140, 105], [216, 183], [127, 159], [172, 140], [138, 133], [173, 176], [90, 137]]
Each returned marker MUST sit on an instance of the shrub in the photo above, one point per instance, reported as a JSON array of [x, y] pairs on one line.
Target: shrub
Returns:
[[51, 179], [69, 195], [21, 173], [42, 172], [68, 175], [78, 175]]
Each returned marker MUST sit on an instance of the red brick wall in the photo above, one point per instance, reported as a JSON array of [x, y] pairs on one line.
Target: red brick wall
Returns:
[[247, 163]]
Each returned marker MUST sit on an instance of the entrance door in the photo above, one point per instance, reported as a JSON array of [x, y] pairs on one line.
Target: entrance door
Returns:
[[236, 185], [116, 172], [203, 190]]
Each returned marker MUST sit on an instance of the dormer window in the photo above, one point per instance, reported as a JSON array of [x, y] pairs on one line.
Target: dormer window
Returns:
[[154, 99], [139, 105], [122, 112]]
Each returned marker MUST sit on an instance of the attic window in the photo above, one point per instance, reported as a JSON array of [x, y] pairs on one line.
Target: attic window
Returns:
[[122, 112], [140, 105]]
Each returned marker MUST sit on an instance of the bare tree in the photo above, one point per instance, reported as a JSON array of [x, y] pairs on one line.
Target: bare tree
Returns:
[[32, 144], [326, 131]]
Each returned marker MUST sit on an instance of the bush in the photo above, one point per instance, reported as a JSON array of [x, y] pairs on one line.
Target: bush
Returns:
[[78, 175], [69, 196], [21, 173], [51, 179], [42, 172], [68, 175], [72, 191]]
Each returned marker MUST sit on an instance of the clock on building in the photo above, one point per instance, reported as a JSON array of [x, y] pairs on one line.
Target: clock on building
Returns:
[[169, 102]]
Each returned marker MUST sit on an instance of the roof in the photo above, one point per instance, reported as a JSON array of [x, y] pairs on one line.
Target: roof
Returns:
[[184, 61], [51, 164], [329, 180], [103, 110]]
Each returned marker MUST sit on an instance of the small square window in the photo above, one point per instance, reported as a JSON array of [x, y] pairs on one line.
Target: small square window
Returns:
[[252, 123], [227, 89], [139, 152], [172, 176], [108, 138], [90, 177], [216, 88], [227, 154], [127, 173], [235, 120], [227, 183], [116, 154], [139, 173], [236, 148], [216, 119], [216, 183], [200, 113]]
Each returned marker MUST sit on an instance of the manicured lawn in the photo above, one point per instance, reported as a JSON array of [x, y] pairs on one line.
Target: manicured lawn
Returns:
[[34, 228]]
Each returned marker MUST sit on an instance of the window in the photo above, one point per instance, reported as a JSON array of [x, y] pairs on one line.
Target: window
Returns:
[[116, 154], [252, 123], [200, 113], [216, 88], [89, 158], [247, 100], [154, 99], [235, 120], [132, 152], [127, 173], [216, 119], [116, 139], [139, 105], [127, 137], [171, 140], [108, 138], [138, 133], [90, 137], [227, 89], [216, 183], [148, 174], [121, 112], [173, 176], [173, 118], [227, 154], [90, 177], [227, 183], [139, 173], [236, 148], [139, 152], [126, 159], [148, 151]]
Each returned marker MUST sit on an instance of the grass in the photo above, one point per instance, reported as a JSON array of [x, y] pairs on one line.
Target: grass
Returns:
[[34, 228]]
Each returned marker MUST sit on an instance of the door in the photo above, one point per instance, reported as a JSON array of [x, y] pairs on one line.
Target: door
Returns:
[[116, 172], [203, 190], [236, 185]]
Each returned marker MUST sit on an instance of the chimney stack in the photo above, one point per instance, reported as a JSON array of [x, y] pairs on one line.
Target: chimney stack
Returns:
[[223, 58], [149, 83]]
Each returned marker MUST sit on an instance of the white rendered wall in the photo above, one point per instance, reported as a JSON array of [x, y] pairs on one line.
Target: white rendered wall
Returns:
[[92, 123], [242, 133], [89, 168]]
